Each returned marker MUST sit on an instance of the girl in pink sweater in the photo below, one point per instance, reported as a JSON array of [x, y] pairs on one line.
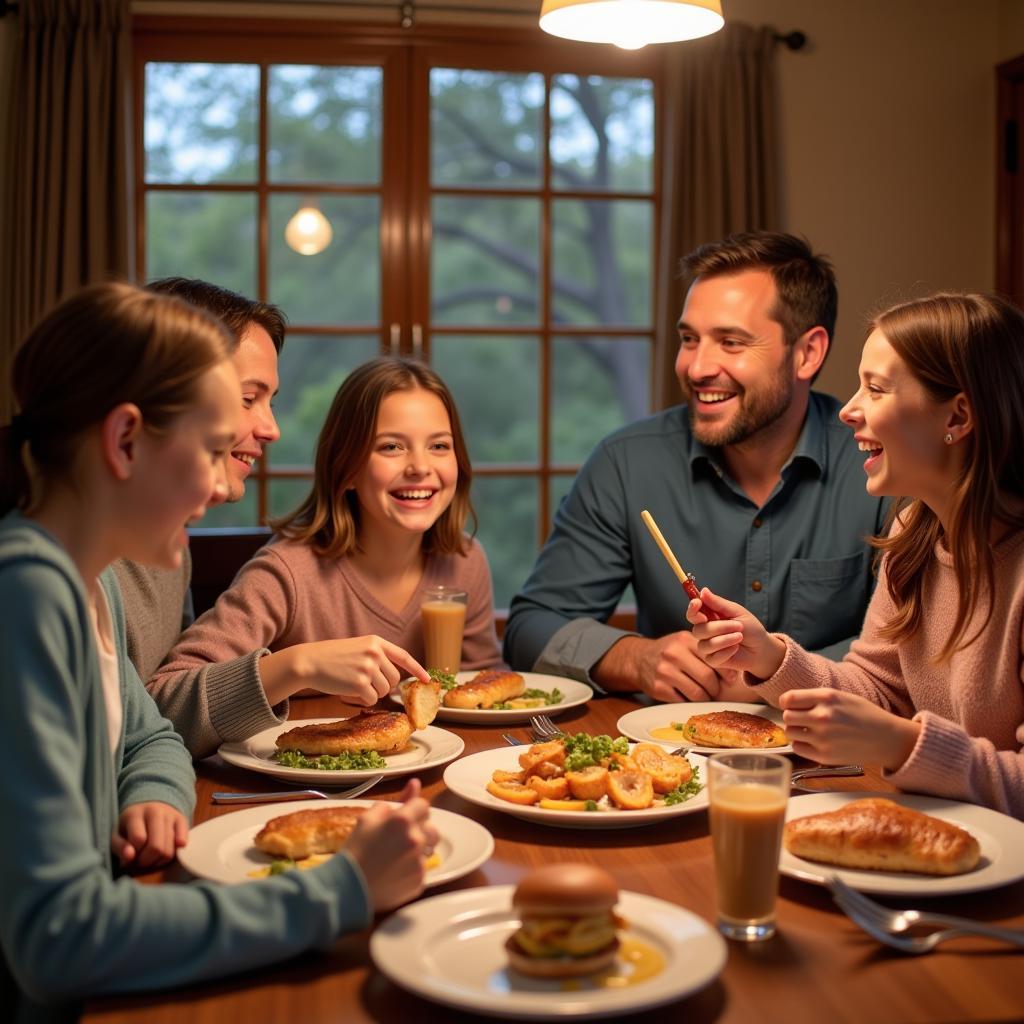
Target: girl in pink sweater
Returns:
[[333, 603], [932, 691]]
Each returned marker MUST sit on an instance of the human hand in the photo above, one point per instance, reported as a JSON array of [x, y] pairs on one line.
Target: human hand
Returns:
[[359, 669], [389, 844], [833, 727], [148, 834], [671, 670], [736, 640]]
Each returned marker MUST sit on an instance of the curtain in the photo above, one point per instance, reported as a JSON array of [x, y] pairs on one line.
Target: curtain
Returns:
[[68, 204], [720, 160]]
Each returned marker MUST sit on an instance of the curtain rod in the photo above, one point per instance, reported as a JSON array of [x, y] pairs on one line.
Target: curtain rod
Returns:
[[406, 9]]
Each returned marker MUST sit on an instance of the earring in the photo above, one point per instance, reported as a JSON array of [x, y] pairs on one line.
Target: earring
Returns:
[[948, 439]]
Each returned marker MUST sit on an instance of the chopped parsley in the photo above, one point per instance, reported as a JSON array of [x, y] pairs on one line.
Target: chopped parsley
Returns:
[[279, 867], [446, 679], [591, 805], [584, 750], [347, 761], [531, 699], [684, 792]]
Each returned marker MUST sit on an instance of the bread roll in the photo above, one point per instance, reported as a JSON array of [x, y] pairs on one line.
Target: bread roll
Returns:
[[881, 835], [421, 701]]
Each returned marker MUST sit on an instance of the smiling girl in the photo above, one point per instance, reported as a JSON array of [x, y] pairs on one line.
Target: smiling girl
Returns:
[[384, 520], [933, 691], [128, 408]]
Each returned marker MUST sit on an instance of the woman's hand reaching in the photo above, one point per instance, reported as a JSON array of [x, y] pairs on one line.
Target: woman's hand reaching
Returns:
[[736, 640]]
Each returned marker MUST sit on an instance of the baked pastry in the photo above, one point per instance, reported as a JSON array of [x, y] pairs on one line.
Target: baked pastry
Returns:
[[421, 701], [305, 833], [485, 689], [384, 731], [881, 835], [733, 729]]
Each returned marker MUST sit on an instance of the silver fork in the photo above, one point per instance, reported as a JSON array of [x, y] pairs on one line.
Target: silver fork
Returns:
[[544, 729], [296, 794], [887, 925], [823, 771], [512, 741]]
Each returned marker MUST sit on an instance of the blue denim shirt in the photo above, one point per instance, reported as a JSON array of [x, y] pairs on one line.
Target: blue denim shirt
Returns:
[[800, 562]]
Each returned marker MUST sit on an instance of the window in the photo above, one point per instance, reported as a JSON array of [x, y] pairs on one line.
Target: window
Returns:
[[493, 210]]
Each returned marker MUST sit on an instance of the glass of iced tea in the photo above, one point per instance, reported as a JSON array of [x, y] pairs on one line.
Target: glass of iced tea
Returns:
[[443, 610], [748, 794]]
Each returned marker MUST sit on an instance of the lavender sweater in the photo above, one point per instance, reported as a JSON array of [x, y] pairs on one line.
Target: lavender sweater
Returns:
[[971, 708], [209, 685]]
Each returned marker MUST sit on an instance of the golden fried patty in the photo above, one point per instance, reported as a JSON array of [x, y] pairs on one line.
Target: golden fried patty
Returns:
[[733, 729], [304, 833], [485, 689], [384, 731]]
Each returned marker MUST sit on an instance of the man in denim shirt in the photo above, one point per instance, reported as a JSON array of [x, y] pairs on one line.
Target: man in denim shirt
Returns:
[[755, 483]]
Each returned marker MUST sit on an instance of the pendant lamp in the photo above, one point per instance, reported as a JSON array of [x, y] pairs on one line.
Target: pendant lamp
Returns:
[[631, 24]]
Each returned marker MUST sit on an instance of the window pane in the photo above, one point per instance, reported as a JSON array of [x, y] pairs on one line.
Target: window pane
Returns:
[[312, 368], [341, 284], [485, 259], [599, 384], [601, 259], [210, 235], [201, 122], [602, 133], [324, 124], [286, 495], [507, 510], [485, 128], [495, 385], [235, 513]]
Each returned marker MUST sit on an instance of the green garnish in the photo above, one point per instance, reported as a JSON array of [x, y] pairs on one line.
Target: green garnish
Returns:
[[678, 726], [446, 679], [348, 761], [685, 791], [540, 698], [279, 867], [590, 805], [584, 750]]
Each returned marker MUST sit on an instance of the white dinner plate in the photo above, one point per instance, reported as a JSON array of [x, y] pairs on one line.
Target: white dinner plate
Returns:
[[427, 748], [573, 695], [222, 848], [1001, 839], [637, 724], [468, 778], [451, 949]]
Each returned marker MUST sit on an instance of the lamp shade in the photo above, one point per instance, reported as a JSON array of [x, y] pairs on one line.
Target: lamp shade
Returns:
[[631, 24], [308, 232]]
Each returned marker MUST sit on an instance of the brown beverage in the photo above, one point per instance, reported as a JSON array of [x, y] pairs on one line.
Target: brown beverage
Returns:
[[444, 618], [747, 808]]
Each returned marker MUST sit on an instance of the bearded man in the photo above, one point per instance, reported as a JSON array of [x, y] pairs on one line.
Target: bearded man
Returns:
[[754, 482]]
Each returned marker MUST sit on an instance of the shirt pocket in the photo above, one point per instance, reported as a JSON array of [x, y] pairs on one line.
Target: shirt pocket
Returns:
[[828, 598]]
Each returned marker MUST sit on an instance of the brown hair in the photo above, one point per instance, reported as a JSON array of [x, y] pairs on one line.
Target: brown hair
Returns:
[[970, 344], [805, 282], [235, 311], [107, 344], [329, 516]]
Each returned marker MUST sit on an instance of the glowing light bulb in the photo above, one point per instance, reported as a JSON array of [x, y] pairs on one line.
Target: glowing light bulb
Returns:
[[308, 232]]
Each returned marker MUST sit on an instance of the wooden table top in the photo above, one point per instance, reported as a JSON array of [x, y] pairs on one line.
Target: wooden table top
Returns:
[[819, 966]]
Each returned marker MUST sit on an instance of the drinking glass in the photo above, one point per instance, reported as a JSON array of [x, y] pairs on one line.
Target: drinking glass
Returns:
[[443, 611]]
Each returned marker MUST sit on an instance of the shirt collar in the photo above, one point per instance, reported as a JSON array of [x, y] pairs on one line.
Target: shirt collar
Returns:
[[811, 446]]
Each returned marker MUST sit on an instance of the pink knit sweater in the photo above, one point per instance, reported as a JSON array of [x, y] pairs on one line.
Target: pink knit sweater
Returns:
[[971, 707], [209, 685]]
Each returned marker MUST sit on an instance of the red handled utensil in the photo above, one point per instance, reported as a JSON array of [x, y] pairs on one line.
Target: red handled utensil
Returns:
[[686, 578]]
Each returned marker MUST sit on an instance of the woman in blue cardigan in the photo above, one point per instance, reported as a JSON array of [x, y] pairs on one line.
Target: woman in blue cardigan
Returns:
[[128, 405]]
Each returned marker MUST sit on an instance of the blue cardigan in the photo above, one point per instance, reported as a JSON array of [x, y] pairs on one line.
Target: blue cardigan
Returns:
[[68, 928]]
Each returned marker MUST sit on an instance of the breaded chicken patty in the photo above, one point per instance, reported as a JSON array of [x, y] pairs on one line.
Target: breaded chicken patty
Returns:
[[387, 732], [304, 833]]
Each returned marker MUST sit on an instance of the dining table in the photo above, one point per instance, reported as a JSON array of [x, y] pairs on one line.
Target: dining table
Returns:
[[819, 966]]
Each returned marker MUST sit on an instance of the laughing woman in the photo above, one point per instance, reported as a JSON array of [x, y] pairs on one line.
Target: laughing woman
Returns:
[[333, 603], [933, 691], [128, 406]]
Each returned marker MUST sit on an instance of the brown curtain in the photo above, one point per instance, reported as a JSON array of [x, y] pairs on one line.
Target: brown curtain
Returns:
[[720, 159], [68, 204]]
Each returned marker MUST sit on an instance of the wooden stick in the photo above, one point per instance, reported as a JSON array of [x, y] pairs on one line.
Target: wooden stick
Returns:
[[665, 549]]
